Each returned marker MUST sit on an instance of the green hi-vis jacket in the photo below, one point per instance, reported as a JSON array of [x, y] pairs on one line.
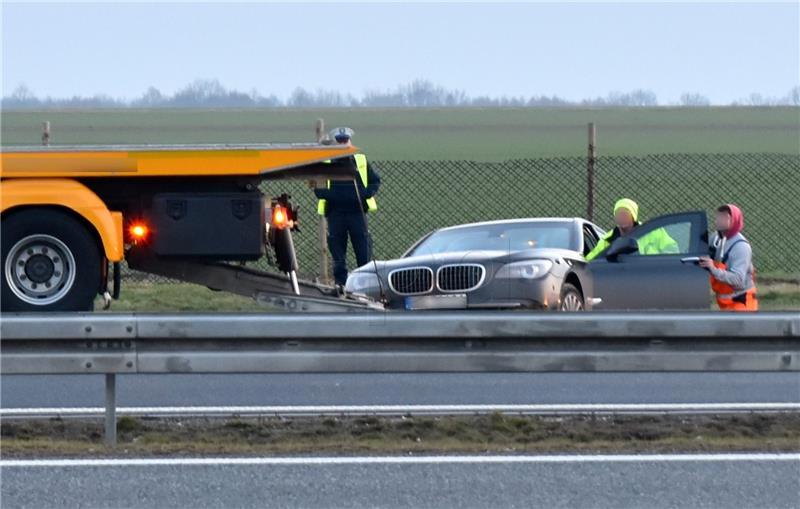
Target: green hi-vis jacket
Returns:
[[657, 241], [363, 172]]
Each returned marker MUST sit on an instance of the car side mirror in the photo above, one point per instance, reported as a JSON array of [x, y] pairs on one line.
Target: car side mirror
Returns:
[[622, 246]]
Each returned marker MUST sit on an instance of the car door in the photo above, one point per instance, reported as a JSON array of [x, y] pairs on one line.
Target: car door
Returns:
[[655, 280]]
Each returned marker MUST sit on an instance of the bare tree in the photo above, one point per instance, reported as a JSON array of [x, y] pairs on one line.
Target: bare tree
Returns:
[[415, 94], [794, 96], [694, 99], [152, 98]]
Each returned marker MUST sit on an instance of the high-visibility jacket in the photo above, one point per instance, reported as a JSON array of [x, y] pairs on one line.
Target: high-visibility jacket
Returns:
[[657, 241], [728, 298], [361, 165]]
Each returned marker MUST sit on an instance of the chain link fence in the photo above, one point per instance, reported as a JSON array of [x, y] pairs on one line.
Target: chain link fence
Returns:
[[419, 196]]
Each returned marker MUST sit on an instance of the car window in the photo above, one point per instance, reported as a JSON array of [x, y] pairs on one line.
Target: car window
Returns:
[[589, 239], [670, 238], [500, 237]]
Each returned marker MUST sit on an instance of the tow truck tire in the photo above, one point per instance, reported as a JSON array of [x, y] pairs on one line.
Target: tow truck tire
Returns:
[[50, 262], [571, 299]]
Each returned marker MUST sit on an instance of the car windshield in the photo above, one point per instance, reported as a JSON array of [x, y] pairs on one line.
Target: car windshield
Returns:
[[497, 237]]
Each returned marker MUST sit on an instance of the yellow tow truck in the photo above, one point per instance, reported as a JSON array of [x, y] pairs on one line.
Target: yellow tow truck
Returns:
[[70, 215]]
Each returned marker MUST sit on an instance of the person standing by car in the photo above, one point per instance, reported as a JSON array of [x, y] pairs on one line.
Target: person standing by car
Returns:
[[731, 262], [626, 218], [345, 204]]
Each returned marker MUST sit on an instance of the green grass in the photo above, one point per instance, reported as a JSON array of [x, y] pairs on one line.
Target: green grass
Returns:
[[464, 134], [779, 296], [416, 198], [164, 297], [376, 435]]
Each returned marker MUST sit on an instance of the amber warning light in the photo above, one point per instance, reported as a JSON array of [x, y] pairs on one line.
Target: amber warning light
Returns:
[[280, 216], [138, 231]]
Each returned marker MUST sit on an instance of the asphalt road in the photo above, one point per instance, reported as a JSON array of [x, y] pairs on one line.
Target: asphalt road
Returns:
[[596, 483], [29, 391], [580, 483]]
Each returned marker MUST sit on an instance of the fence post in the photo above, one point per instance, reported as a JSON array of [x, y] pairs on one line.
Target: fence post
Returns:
[[46, 133], [322, 231], [590, 163], [111, 409]]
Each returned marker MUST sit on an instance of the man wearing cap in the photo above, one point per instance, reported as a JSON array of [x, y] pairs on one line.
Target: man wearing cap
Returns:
[[626, 218], [345, 204]]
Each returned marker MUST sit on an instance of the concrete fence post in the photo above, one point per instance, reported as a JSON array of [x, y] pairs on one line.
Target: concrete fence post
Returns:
[[590, 172], [322, 231], [46, 133]]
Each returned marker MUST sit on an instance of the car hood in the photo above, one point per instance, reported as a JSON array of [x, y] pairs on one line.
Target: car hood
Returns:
[[484, 257]]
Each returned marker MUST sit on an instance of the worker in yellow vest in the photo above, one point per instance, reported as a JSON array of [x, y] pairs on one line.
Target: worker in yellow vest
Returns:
[[626, 218], [345, 204]]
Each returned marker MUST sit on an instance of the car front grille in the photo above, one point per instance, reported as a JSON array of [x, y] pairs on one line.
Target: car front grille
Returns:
[[411, 281], [459, 278]]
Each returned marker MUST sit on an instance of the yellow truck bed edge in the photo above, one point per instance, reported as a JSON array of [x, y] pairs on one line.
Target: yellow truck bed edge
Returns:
[[163, 160]]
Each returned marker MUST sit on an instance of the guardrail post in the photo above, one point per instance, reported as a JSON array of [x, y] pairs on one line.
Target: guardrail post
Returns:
[[111, 409]]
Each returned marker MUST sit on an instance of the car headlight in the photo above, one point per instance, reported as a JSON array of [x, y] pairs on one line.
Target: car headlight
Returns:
[[360, 282], [531, 269]]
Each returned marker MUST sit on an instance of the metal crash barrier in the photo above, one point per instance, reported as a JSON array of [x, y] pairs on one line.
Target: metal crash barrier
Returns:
[[394, 343]]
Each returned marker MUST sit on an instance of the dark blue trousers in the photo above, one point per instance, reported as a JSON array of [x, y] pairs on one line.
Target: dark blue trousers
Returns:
[[340, 227]]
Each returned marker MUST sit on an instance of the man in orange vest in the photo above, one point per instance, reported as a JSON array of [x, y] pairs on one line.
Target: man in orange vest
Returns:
[[731, 264]]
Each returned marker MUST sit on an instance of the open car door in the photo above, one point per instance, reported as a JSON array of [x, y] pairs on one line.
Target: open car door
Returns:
[[648, 268]]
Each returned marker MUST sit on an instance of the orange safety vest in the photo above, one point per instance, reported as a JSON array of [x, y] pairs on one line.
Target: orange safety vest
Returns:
[[744, 302]]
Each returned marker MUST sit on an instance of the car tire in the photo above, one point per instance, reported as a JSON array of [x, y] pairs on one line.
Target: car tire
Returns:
[[50, 262], [571, 299]]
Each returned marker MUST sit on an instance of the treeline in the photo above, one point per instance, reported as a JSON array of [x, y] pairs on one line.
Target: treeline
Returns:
[[417, 94]]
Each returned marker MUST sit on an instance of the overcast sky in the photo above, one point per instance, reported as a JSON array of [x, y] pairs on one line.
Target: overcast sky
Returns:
[[575, 50]]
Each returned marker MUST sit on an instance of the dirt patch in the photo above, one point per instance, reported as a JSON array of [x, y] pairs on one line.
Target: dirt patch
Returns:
[[459, 434]]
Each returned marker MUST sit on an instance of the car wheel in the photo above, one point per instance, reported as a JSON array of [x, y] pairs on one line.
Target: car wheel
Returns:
[[571, 299], [50, 262]]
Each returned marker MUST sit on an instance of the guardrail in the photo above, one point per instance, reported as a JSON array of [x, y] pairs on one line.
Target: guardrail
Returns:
[[394, 342], [546, 409]]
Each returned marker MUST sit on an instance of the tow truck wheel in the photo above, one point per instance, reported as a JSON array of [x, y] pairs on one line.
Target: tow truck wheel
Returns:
[[50, 262], [571, 298]]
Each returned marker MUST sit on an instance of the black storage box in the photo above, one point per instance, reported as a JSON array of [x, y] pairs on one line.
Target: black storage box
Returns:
[[221, 226]]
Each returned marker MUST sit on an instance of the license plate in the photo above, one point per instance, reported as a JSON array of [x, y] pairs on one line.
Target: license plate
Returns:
[[449, 301]]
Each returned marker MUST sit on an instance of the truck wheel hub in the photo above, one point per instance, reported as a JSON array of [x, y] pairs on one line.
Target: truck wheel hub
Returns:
[[40, 269]]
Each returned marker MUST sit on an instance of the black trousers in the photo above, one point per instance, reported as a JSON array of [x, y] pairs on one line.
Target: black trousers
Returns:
[[340, 227]]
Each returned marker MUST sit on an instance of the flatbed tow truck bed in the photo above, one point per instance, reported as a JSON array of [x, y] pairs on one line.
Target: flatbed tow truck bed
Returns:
[[275, 160], [71, 214]]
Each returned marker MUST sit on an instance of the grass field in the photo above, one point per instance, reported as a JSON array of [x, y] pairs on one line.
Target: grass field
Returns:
[[416, 198], [464, 134], [159, 297]]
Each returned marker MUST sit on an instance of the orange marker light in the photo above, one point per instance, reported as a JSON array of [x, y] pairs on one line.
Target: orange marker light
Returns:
[[279, 217], [138, 231]]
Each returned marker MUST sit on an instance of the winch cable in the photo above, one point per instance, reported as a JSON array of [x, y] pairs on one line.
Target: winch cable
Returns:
[[370, 243]]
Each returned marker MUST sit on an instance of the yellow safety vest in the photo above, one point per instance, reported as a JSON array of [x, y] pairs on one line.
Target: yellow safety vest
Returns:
[[361, 164], [653, 243]]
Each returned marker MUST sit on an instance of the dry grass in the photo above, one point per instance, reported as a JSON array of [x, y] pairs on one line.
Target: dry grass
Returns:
[[461, 434]]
